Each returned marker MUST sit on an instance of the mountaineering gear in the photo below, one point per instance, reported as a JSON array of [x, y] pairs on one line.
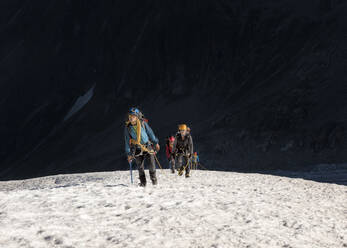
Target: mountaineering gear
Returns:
[[169, 152], [186, 166], [139, 138], [141, 134], [182, 127], [143, 181], [135, 111], [156, 159], [183, 144], [153, 178], [183, 148], [131, 172]]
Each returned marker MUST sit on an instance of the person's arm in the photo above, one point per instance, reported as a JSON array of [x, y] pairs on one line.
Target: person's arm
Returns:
[[150, 134], [174, 146]]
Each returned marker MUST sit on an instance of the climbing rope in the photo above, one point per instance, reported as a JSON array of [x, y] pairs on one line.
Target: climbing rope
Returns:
[[180, 172], [143, 147]]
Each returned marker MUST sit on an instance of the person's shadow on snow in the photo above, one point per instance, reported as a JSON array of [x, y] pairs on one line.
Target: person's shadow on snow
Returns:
[[116, 185]]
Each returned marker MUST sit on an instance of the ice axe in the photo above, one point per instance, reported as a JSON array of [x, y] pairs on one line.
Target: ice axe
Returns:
[[131, 171]]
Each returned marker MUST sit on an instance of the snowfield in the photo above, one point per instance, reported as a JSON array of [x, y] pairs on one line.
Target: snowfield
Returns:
[[210, 209]]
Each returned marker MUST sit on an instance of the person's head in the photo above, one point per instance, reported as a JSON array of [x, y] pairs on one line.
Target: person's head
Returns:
[[182, 129], [195, 154], [171, 139], [132, 119], [133, 115]]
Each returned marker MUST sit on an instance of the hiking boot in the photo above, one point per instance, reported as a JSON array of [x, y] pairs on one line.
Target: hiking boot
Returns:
[[143, 181], [153, 178], [187, 175], [180, 172], [173, 171]]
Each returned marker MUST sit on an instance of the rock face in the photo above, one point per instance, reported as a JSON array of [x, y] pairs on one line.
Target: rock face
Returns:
[[261, 85]]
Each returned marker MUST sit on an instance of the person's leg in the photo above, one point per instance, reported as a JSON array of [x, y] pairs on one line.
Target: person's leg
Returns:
[[172, 164], [141, 168], [152, 170], [180, 164]]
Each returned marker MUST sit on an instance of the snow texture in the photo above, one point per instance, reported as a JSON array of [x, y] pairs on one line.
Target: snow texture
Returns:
[[80, 102], [210, 209]]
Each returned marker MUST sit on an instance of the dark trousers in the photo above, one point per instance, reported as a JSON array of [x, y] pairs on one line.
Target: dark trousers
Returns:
[[140, 162], [182, 161], [172, 163]]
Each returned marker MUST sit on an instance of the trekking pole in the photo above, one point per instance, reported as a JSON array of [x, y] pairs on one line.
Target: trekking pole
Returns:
[[155, 156], [190, 166], [131, 172]]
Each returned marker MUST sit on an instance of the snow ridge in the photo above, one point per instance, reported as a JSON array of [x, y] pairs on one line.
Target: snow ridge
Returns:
[[210, 209]]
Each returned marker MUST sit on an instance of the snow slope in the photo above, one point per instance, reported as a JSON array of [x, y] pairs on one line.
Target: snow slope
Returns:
[[210, 209]]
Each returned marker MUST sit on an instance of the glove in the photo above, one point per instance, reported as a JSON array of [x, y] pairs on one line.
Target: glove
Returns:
[[130, 158]]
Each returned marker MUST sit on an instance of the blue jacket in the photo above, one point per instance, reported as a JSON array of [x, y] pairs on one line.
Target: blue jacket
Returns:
[[197, 159], [147, 135]]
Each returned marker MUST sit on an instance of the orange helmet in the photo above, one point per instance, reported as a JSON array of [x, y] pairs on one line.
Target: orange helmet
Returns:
[[182, 127]]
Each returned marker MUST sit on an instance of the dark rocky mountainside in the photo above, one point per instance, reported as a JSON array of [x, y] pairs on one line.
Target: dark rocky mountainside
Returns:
[[262, 85]]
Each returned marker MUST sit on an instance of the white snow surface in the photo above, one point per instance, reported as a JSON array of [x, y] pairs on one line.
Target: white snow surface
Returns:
[[210, 209]]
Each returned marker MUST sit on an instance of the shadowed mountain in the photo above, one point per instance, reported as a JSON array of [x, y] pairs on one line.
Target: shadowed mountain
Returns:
[[262, 86]]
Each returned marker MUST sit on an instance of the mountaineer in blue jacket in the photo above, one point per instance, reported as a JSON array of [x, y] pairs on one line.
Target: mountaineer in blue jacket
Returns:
[[139, 141]]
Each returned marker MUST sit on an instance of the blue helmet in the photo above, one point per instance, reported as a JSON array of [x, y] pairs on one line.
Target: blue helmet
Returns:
[[135, 111]]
